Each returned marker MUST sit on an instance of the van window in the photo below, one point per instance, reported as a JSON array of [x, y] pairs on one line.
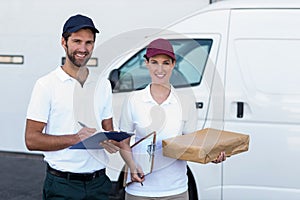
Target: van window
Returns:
[[11, 59], [191, 56]]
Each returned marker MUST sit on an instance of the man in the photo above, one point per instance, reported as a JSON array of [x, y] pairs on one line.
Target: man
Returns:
[[53, 114]]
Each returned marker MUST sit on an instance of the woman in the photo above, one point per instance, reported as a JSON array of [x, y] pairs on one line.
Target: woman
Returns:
[[158, 108]]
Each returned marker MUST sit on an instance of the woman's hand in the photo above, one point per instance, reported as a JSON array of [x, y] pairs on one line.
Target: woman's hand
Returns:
[[137, 175], [220, 158]]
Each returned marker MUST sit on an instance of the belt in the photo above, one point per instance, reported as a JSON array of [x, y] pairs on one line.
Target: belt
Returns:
[[75, 176]]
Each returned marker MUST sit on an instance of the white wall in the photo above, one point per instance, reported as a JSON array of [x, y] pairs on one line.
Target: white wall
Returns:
[[32, 28]]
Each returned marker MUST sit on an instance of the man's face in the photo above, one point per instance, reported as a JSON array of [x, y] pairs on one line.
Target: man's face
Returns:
[[79, 47]]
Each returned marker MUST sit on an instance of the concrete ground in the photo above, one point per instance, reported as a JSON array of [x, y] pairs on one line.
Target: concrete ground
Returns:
[[22, 176]]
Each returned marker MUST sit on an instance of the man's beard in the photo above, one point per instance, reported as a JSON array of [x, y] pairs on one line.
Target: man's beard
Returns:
[[76, 62]]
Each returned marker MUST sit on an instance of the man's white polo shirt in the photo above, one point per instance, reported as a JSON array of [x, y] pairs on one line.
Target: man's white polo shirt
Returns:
[[57, 99]]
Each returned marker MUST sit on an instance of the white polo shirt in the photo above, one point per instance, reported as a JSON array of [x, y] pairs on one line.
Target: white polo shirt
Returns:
[[60, 101], [176, 116]]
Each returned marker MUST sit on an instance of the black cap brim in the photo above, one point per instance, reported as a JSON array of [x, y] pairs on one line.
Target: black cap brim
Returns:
[[77, 28]]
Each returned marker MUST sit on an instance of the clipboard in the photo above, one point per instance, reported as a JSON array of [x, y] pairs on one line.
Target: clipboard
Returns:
[[93, 141], [144, 159]]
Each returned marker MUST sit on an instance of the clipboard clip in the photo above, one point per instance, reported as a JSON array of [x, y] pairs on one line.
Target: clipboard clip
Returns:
[[151, 150]]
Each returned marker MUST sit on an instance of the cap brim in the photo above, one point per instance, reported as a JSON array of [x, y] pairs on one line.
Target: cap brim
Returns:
[[150, 54], [77, 28]]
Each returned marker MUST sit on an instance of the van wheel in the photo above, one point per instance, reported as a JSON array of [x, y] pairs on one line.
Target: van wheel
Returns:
[[192, 189], [118, 191]]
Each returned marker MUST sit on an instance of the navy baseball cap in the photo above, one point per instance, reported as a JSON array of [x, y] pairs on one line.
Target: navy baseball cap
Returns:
[[78, 22]]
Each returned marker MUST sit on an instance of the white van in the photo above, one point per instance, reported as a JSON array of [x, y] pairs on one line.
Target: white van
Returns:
[[240, 59]]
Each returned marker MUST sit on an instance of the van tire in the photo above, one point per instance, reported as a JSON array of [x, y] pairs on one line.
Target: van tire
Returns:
[[192, 189], [118, 191]]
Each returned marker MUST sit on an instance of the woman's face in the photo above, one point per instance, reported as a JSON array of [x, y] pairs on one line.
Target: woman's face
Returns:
[[160, 68]]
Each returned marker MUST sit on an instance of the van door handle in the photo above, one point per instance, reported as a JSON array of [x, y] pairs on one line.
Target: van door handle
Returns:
[[240, 110], [199, 105]]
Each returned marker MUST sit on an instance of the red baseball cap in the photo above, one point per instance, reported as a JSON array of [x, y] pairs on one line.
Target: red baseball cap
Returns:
[[160, 46]]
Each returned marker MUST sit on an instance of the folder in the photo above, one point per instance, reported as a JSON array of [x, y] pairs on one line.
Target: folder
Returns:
[[93, 141], [144, 158]]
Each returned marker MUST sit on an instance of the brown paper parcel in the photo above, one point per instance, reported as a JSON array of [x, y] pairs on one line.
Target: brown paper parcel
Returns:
[[205, 145]]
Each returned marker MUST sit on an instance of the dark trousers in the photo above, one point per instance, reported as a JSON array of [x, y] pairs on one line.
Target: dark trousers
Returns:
[[57, 188]]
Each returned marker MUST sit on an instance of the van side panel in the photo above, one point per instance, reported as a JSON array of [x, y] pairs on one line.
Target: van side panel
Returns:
[[208, 24], [262, 74]]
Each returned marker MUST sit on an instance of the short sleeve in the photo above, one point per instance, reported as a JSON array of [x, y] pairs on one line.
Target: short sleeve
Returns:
[[107, 109], [126, 121], [40, 103], [103, 101]]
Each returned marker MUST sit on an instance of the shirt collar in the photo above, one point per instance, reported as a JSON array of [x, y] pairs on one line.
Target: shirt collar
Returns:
[[63, 76], [147, 97]]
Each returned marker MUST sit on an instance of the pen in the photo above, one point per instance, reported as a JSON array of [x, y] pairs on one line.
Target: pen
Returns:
[[141, 178], [81, 124]]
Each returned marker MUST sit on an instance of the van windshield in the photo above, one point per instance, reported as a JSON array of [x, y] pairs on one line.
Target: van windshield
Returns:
[[191, 55]]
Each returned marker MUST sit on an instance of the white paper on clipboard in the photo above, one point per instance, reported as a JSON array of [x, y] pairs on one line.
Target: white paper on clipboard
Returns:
[[143, 155]]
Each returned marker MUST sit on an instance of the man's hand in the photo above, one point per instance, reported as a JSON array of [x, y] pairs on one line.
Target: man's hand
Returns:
[[85, 133], [110, 145]]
